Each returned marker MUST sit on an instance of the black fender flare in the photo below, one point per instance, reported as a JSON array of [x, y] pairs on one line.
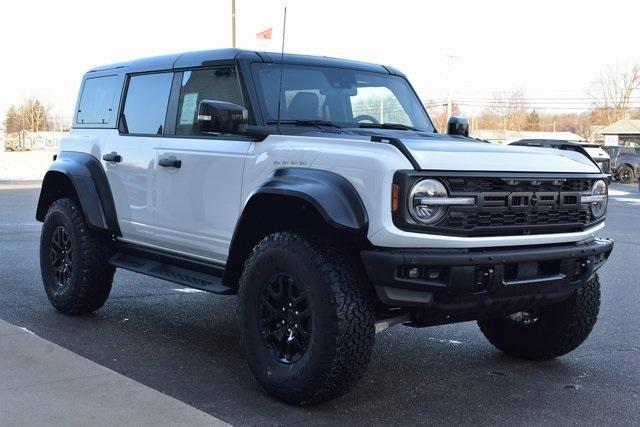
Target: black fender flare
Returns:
[[331, 195], [87, 177]]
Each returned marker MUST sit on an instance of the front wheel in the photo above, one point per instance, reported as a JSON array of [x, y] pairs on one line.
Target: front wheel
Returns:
[[549, 332], [306, 324]]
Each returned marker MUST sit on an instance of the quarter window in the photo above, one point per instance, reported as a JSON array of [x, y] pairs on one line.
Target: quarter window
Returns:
[[220, 84], [146, 105], [97, 101]]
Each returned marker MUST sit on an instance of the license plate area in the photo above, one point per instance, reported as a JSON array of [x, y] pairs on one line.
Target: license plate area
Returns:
[[531, 271]]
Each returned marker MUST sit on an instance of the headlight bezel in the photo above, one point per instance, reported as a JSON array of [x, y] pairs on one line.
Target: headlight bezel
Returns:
[[425, 213], [598, 200]]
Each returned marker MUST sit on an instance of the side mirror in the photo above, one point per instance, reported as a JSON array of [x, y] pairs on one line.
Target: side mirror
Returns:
[[222, 117], [458, 126]]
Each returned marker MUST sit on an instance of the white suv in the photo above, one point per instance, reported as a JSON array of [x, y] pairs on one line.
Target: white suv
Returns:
[[319, 191]]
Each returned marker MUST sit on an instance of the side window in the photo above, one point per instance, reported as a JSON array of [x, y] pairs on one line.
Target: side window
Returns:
[[97, 101], [146, 105], [220, 84]]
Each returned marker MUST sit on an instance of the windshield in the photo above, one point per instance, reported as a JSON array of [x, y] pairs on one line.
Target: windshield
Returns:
[[339, 96]]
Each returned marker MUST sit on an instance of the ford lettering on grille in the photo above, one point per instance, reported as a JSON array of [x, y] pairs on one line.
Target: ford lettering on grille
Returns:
[[524, 200]]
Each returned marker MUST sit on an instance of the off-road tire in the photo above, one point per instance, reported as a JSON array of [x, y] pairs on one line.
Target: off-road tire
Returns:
[[559, 329], [343, 331], [91, 274], [626, 174]]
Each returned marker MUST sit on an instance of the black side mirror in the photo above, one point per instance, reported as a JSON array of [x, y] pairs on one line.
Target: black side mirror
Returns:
[[458, 126], [222, 117]]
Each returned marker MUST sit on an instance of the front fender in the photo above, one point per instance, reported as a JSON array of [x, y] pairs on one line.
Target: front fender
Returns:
[[330, 194]]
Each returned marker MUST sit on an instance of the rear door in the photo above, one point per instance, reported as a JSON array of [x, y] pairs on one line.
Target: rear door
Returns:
[[129, 157], [198, 203]]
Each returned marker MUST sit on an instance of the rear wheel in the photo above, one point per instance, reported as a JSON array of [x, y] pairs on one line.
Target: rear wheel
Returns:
[[626, 174], [73, 260], [306, 324], [549, 332]]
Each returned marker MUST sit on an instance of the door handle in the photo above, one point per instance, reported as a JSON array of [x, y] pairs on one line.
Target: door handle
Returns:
[[112, 157], [170, 162]]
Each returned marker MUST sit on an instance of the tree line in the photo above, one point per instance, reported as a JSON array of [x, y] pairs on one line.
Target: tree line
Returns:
[[612, 97], [32, 115]]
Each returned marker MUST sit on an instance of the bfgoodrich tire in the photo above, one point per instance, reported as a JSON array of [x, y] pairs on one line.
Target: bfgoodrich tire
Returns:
[[553, 331], [74, 263], [306, 324]]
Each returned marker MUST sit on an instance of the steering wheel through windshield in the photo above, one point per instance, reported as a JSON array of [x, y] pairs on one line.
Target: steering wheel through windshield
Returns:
[[363, 117]]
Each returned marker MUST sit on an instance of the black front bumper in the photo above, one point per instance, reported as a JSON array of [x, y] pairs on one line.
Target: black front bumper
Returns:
[[449, 279]]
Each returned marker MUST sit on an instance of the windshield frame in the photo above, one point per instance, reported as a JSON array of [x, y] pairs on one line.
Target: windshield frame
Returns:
[[266, 121]]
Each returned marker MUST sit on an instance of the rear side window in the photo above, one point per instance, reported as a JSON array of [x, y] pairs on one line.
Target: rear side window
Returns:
[[145, 107], [98, 101], [220, 84]]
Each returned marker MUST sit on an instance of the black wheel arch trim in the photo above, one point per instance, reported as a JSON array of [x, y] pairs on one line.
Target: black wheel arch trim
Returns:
[[89, 181], [331, 195]]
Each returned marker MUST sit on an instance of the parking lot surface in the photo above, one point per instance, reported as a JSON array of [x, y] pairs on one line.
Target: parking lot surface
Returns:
[[184, 343]]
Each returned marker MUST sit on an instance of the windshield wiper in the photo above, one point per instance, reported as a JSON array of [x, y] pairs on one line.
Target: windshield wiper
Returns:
[[396, 126], [301, 122]]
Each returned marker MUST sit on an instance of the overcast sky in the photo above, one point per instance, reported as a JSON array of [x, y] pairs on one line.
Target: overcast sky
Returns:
[[551, 49]]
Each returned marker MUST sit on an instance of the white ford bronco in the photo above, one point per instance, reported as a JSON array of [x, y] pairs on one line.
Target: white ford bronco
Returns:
[[318, 191]]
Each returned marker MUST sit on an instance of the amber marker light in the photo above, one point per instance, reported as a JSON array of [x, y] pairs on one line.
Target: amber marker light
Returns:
[[395, 197]]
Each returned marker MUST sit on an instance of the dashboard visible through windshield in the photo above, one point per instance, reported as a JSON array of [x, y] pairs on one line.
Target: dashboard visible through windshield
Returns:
[[338, 96]]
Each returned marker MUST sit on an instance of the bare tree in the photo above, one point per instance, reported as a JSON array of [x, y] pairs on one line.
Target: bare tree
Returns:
[[507, 110], [32, 115], [613, 92]]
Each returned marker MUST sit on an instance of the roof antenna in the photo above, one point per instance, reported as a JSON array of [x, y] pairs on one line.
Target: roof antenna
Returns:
[[284, 29]]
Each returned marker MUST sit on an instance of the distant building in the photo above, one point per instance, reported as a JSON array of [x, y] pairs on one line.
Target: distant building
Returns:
[[622, 132], [509, 136]]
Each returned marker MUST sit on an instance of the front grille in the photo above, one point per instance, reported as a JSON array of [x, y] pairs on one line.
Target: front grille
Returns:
[[478, 185], [551, 206]]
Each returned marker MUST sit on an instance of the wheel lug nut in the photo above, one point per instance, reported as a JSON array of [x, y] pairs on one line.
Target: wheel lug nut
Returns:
[[284, 309], [296, 313], [283, 322], [290, 305]]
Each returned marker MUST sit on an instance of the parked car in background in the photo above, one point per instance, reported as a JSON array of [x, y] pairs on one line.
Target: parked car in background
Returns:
[[625, 162]]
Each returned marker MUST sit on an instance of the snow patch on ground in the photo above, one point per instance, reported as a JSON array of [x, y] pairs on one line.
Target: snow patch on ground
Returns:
[[618, 192], [26, 330], [627, 199], [24, 165]]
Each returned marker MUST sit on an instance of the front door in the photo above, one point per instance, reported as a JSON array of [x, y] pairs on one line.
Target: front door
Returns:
[[129, 155], [199, 180]]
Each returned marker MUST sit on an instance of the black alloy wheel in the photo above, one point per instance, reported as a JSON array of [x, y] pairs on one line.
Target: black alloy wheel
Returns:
[[285, 318], [61, 258]]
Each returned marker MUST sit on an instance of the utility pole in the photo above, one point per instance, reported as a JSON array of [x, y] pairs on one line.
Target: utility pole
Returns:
[[450, 84], [233, 23]]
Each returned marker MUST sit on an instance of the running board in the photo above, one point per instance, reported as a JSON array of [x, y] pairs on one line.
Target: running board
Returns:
[[183, 276]]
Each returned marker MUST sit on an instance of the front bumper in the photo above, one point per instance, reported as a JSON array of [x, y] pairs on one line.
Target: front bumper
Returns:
[[450, 278]]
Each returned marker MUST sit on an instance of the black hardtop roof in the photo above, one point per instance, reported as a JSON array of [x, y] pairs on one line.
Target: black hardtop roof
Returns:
[[215, 57]]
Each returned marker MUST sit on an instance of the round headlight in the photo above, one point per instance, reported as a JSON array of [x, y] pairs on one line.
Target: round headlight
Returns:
[[599, 192], [419, 201]]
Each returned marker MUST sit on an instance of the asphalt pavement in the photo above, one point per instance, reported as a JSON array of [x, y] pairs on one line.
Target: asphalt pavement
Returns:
[[184, 344]]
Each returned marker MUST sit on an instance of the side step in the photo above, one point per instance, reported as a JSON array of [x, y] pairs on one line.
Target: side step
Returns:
[[183, 276]]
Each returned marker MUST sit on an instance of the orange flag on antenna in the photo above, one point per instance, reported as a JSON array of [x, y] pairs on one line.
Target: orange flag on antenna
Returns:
[[266, 34]]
